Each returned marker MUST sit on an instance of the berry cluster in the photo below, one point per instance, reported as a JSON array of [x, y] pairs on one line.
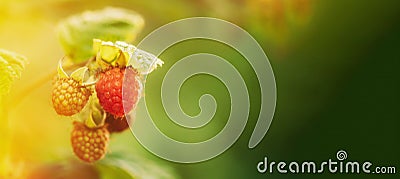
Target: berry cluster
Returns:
[[115, 77]]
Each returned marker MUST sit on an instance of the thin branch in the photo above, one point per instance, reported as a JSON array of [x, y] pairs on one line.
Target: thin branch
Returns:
[[37, 84]]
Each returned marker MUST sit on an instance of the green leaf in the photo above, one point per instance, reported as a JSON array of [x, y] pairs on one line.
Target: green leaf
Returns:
[[77, 32], [111, 172], [11, 66], [123, 165]]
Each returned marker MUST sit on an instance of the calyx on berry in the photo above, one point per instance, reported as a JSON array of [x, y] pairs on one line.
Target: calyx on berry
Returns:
[[123, 54], [70, 94]]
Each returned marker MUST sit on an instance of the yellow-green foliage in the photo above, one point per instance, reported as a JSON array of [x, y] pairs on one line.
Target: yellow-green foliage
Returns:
[[11, 66], [77, 32]]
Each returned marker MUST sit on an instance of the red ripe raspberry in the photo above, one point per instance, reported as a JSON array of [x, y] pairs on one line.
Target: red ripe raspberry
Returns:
[[109, 89], [69, 97], [116, 125], [89, 144]]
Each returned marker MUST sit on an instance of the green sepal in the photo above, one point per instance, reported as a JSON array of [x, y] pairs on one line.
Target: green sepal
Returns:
[[124, 54], [97, 115], [90, 81], [109, 53], [96, 119], [96, 45], [144, 62], [60, 71], [112, 54], [79, 74]]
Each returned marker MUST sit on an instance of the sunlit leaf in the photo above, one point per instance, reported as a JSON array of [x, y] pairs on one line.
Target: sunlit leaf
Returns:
[[77, 32], [110, 172], [11, 66], [118, 164]]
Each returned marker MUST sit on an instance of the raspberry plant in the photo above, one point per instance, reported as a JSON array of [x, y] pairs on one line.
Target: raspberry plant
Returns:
[[99, 64], [108, 82], [118, 86]]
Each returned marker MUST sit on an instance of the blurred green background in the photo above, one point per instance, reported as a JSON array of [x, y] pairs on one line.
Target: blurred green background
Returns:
[[335, 63]]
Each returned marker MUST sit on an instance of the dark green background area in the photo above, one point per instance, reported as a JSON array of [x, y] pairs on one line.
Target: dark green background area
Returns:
[[337, 88]]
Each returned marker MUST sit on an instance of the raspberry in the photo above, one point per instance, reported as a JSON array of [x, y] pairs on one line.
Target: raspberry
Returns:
[[116, 125], [109, 89], [89, 144], [69, 97]]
